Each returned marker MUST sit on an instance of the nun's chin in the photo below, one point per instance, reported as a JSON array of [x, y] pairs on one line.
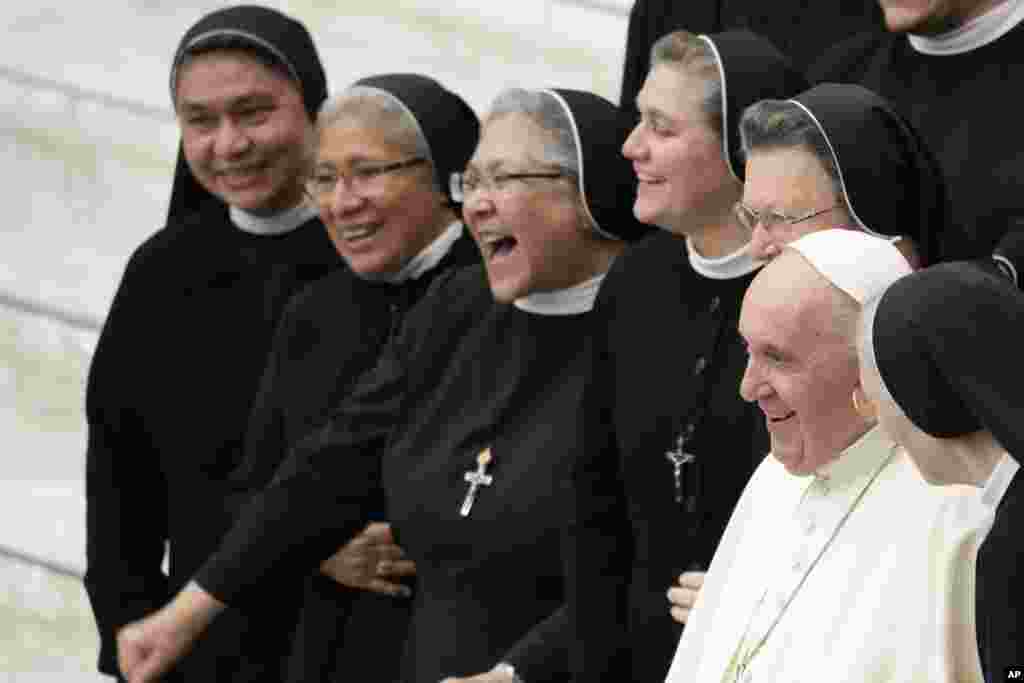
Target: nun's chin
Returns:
[[507, 287]]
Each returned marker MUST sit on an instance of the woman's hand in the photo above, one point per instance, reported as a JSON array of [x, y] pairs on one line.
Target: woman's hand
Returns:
[[683, 596], [371, 561], [148, 648]]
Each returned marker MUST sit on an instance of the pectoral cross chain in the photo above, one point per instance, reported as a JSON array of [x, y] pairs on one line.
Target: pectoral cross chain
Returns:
[[678, 457], [476, 478]]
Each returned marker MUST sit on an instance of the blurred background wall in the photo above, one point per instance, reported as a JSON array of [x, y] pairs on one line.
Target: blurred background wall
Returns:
[[87, 151]]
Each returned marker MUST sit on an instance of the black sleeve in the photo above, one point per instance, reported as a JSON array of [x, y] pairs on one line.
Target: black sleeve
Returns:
[[543, 653], [598, 548], [126, 495], [265, 444], [847, 61], [319, 498]]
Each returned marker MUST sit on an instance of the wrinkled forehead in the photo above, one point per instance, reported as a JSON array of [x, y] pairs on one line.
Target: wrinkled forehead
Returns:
[[787, 304], [510, 139]]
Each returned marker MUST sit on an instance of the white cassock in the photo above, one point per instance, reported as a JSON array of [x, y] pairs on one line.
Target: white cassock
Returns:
[[862, 572]]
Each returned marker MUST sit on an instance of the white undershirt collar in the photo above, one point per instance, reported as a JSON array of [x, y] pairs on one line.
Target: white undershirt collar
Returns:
[[428, 258], [978, 32], [569, 301], [997, 484], [728, 267], [278, 224]]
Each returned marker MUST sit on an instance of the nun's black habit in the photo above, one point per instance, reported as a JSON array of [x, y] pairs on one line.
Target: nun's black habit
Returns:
[[330, 334], [465, 374], [944, 341], [957, 102], [801, 30], [174, 375], [669, 366]]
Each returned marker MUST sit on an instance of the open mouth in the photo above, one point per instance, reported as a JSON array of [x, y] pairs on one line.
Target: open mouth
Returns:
[[358, 232], [496, 246], [782, 418]]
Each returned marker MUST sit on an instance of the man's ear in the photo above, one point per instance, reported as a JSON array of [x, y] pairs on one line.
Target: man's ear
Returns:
[[864, 406]]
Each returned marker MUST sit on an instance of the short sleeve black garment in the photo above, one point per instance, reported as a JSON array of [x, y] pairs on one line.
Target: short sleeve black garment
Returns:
[[951, 100], [670, 364], [168, 399]]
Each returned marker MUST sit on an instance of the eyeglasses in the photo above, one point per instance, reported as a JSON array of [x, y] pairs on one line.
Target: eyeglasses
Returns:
[[463, 185], [749, 218], [358, 179]]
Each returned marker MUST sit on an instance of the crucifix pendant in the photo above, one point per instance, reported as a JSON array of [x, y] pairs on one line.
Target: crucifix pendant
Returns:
[[678, 457], [476, 478]]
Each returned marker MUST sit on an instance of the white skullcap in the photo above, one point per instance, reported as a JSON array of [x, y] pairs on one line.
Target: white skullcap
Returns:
[[859, 264]]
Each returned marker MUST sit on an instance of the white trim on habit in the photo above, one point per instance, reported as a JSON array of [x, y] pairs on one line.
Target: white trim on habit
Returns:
[[278, 224], [976, 33], [569, 301], [429, 257], [728, 267]]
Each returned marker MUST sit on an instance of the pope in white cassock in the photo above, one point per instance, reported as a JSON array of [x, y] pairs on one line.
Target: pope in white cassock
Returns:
[[839, 562]]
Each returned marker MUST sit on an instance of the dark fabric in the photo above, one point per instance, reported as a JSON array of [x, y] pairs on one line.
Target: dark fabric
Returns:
[[329, 335], [272, 34], [464, 373], [891, 180], [801, 29], [941, 339], [950, 101], [607, 181], [438, 112], [1011, 248], [1000, 586], [167, 401], [755, 70], [659, 376]]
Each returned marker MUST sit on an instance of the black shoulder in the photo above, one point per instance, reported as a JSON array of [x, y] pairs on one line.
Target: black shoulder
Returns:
[[847, 61], [642, 261]]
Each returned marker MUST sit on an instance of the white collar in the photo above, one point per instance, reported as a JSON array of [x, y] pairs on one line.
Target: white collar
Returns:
[[999, 481], [569, 301], [728, 267], [978, 32], [860, 458], [278, 224], [428, 258]]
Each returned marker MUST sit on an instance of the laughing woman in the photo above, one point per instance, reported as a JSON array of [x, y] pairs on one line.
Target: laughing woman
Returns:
[[385, 149], [471, 419]]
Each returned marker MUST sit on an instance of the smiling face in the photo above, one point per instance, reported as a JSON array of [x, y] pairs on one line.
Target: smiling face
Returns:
[[244, 130], [789, 181], [927, 17], [531, 232], [802, 367], [379, 226], [684, 180]]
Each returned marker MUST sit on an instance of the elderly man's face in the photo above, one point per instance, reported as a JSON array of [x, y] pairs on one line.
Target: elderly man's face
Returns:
[[931, 16], [789, 182], [801, 369], [530, 231], [244, 130]]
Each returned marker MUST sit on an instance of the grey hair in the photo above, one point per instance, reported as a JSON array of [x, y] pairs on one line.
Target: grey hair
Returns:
[[548, 113], [779, 124], [695, 55], [377, 109]]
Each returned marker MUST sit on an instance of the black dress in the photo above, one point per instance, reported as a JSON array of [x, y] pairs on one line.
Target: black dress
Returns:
[[1000, 598], [800, 29], [168, 399], [670, 365], [330, 334], [465, 374], [951, 101]]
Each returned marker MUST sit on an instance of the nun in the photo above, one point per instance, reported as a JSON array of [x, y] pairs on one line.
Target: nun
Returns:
[[386, 147], [839, 156], [683, 442], [471, 418], [932, 371], [179, 359]]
